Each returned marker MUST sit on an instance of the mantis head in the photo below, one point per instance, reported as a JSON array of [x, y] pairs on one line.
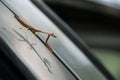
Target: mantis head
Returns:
[[53, 35]]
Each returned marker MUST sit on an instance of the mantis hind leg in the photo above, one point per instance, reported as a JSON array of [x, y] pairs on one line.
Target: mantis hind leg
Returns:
[[23, 28]]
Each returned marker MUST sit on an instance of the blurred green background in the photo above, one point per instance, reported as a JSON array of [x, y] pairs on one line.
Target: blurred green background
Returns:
[[110, 59], [97, 23]]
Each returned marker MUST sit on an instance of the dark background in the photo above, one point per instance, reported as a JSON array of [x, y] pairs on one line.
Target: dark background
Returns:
[[97, 24]]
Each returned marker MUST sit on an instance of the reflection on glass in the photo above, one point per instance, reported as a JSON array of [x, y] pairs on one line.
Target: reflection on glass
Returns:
[[35, 55], [110, 3]]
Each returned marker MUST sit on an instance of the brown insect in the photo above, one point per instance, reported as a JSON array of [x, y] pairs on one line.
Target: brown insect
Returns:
[[29, 27], [35, 30]]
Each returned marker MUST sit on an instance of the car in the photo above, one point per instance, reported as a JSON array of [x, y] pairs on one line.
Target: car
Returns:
[[42, 57]]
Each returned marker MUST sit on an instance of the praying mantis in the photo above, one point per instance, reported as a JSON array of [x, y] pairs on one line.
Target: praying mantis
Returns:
[[29, 27], [35, 30]]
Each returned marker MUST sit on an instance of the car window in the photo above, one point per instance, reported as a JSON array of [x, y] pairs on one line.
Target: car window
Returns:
[[33, 53]]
